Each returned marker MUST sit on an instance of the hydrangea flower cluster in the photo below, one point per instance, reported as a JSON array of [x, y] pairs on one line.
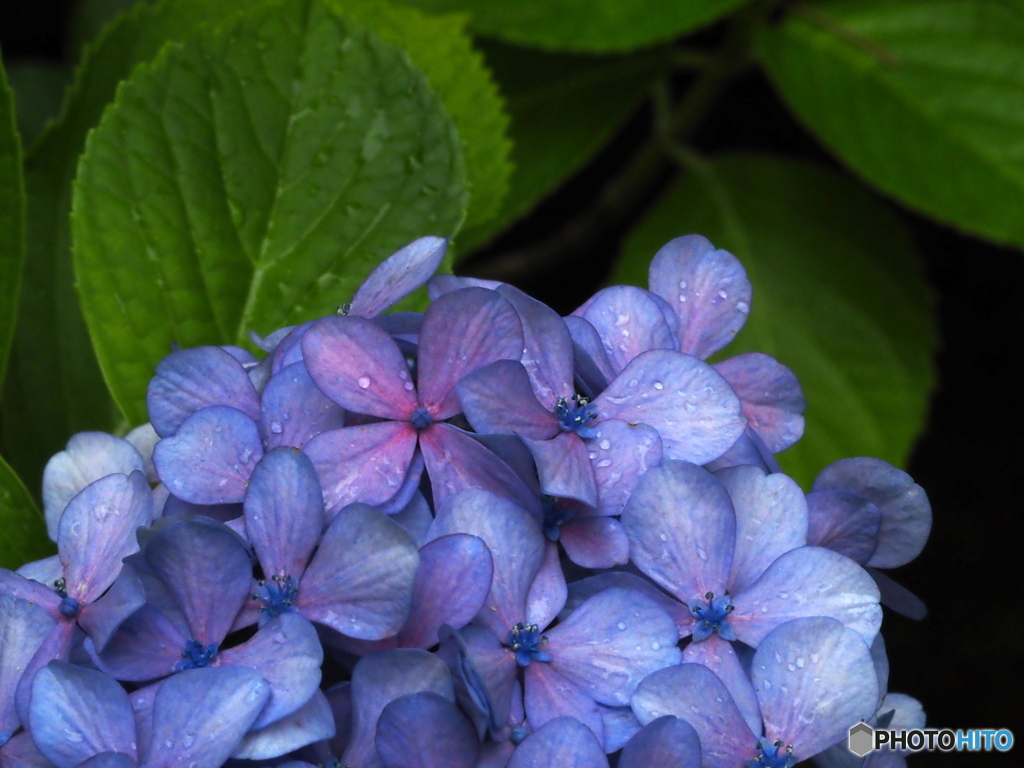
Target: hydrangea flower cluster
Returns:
[[480, 536]]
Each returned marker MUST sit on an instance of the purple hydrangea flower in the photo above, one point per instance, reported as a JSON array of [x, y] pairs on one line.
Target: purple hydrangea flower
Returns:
[[811, 678]]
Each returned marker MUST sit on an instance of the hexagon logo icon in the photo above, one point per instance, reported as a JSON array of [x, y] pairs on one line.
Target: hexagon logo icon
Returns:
[[861, 739]]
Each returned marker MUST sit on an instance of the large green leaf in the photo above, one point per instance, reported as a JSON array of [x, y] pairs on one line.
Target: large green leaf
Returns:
[[24, 530], [54, 386], [250, 179], [585, 25], [563, 108], [923, 98], [838, 297], [12, 219]]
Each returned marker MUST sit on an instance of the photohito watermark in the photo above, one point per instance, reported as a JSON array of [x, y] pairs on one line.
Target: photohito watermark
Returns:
[[864, 739]]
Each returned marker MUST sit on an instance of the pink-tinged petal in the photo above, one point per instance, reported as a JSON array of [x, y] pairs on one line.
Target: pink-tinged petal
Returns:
[[362, 464], [595, 542], [584, 589], [16, 585], [612, 642], [515, 541], [620, 453], [190, 557], [293, 410], [416, 518], [667, 741], [97, 530], [809, 581], [708, 290], [898, 597], [100, 619], [692, 692], [284, 512], [561, 743], [771, 519], [770, 396], [462, 331], [549, 696], [564, 467], [452, 583], [146, 646], [682, 529], [629, 322], [360, 581], [200, 716], [813, 678], [498, 399], [77, 713], [56, 646], [358, 366], [380, 679], [693, 408], [398, 275], [189, 380], [589, 358], [906, 512], [548, 592], [311, 723], [456, 462], [719, 656], [287, 654], [845, 522], [210, 457], [87, 457], [484, 672], [23, 629], [547, 347], [439, 285], [424, 730]]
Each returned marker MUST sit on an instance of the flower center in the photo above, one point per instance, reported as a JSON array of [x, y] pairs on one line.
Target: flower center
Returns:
[[556, 514], [68, 607], [421, 418], [773, 755], [195, 655], [526, 641], [711, 615], [277, 595], [574, 413]]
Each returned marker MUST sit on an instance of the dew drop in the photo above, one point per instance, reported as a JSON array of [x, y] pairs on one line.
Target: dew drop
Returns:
[[723, 295], [663, 536], [690, 407], [658, 385], [743, 307], [621, 625], [682, 285], [363, 382], [682, 298], [408, 386], [605, 444], [276, 428]]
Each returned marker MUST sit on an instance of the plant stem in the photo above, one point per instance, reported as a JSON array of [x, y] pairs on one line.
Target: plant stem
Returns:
[[623, 197]]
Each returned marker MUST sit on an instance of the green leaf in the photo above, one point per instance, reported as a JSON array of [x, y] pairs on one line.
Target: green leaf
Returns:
[[251, 179], [24, 529], [12, 219], [54, 387], [38, 90], [838, 297], [594, 26], [922, 98], [89, 17], [440, 46], [563, 108]]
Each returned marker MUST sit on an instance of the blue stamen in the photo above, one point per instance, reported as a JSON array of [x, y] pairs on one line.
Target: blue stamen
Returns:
[[556, 514], [526, 641], [574, 413], [711, 615], [773, 755], [421, 418], [196, 656], [68, 607], [278, 596], [518, 735]]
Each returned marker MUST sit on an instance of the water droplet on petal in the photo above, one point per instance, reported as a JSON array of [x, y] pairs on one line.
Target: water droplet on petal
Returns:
[[363, 382], [276, 428]]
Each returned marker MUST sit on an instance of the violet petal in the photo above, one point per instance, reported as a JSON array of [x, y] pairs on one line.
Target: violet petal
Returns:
[[845, 522], [548, 592], [770, 395], [398, 275], [293, 410], [667, 741], [549, 696], [425, 730], [312, 722], [719, 656], [23, 628], [564, 467], [595, 542], [498, 399], [620, 453], [629, 322]]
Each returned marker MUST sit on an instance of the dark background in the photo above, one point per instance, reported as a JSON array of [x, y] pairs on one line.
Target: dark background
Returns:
[[964, 661]]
